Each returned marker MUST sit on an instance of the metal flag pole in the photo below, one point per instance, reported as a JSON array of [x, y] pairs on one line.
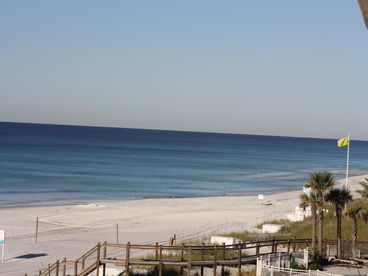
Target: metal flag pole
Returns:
[[347, 162]]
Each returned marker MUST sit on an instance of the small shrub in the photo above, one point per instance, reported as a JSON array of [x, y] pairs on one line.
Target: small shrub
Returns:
[[294, 264], [315, 266]]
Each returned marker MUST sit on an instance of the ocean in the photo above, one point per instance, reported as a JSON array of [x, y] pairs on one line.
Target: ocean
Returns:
[[57, 164]]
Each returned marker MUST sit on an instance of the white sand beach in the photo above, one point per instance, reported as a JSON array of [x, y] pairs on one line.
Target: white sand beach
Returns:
[[70, 230]]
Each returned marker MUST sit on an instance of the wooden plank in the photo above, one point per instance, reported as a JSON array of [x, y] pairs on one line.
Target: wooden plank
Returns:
[[104, 257], [202, 258], [64, 267], [88, 253], [127, 257], [182, 256], [160, 262], [189, 267], [239, 259], [215, 261], [98, 259], [223, 257], [36, 237]]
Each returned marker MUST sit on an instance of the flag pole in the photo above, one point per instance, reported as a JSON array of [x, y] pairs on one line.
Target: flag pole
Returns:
[[347, 162]]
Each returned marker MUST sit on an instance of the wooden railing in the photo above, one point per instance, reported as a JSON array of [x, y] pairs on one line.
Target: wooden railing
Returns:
[[182, 256]]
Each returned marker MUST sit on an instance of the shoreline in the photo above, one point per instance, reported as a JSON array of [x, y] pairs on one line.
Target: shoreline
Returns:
[[91, 200], [70, 230]]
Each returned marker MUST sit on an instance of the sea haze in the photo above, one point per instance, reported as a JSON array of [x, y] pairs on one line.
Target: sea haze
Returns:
[[56, 164]]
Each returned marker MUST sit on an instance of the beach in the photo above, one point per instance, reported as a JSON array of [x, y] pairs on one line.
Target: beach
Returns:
[[70, 230]]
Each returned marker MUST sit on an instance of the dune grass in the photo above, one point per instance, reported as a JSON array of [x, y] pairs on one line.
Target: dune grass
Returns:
[[303, 229]]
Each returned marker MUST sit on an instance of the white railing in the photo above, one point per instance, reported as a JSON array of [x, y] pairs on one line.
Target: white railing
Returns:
[[265, 269]]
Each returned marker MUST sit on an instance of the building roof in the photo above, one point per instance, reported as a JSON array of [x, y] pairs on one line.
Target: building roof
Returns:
[[364, 8]]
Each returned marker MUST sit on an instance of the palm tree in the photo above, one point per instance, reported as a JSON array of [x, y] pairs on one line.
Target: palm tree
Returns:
[[364, 191], [354, 212], [320, 183], [311, 200], [339, 198]]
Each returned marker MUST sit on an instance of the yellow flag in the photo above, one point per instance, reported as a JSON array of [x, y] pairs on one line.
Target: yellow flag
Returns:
[[343, 142]]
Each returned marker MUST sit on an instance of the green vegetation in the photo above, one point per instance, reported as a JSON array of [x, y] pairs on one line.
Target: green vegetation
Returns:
[[364, 191], [320, 183], [339, 198], [303, 229], [312, 201], [315, 266], [333, 211], [355, 212]]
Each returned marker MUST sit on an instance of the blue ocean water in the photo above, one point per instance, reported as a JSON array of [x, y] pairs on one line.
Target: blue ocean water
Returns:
[[54, 164]]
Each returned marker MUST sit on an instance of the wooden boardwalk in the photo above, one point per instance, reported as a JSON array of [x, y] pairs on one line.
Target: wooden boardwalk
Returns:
[[182, 256]]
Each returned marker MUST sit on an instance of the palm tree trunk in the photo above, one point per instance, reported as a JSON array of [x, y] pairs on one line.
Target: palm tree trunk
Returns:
[[338, 231], [354, 235], [314, 230], [320, 234]]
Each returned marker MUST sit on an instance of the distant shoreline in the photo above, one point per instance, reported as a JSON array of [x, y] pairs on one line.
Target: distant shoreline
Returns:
[[106, 200]]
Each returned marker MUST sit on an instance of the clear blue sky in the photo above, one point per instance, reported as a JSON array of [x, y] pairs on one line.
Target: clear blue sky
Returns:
[[295, 68]]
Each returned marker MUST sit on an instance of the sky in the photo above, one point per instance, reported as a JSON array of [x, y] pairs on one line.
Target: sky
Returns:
[[290, 68]]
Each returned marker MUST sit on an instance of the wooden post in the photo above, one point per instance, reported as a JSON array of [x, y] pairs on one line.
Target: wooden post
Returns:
[[288, 246], [98, 261], [257, 248], [189, 261], [64, 267], [49, 270], [275, 246], [117, 233], [182, 257], [160, 262], [156, 258], [57, 268], [36, 239], [156, 251], [202, 258], [127, 257], [75, 268], [239, 259], [215, 261], [223, 258], [294, 244], [104, 256], [83, 263]]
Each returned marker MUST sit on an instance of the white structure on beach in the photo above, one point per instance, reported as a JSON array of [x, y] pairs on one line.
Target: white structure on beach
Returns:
[[219, 240], [271, 228], [299, 214]]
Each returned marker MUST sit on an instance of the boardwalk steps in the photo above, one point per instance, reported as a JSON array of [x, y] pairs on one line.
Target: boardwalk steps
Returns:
[[183, 256]]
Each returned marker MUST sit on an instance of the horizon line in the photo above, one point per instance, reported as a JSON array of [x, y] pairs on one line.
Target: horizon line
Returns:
[[173, 130]]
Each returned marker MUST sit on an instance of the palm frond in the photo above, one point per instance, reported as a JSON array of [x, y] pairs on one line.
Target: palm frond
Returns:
[[364, 191]]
